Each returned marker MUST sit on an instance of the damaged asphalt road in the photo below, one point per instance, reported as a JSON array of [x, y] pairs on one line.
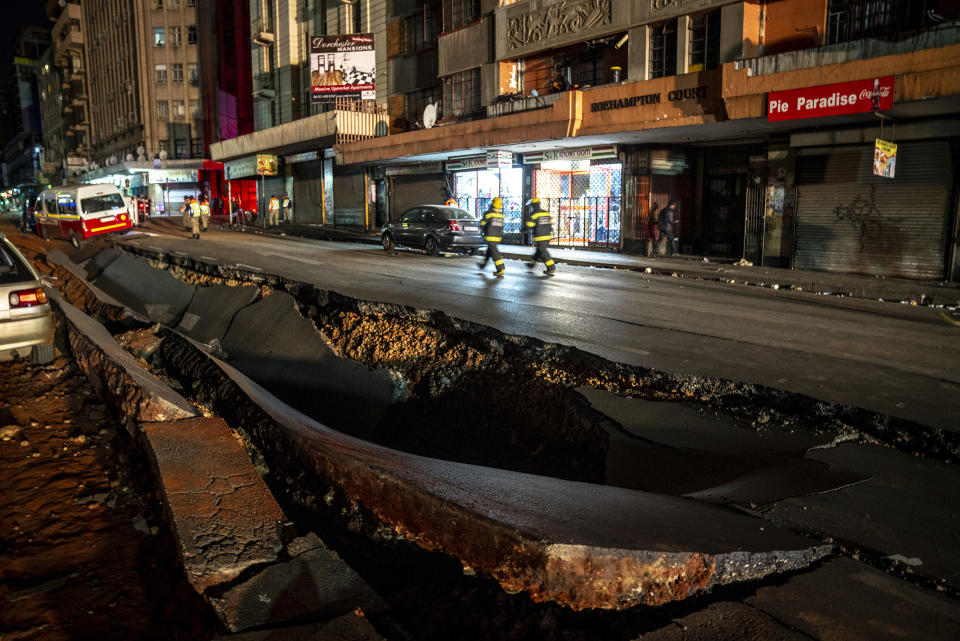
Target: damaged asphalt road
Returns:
[[438, 366]]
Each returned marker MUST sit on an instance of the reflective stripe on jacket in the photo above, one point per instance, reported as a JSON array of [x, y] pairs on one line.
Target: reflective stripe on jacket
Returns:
[[492, 226], [204, 209], [195, 209], [539, 221]]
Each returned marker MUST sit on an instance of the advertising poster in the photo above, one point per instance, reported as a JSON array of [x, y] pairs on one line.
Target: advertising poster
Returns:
[[884, 158], [266, 165], [342, 66]]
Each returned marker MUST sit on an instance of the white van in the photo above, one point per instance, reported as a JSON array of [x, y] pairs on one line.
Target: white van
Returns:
[[79, 212]]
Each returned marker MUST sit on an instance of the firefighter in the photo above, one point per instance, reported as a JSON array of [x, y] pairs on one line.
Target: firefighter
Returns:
[[492, 224], [538, 221], [204, 214], [195, 218], [451, 202], [274, 211]]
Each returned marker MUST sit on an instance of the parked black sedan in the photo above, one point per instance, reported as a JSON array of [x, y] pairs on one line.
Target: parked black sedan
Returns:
[[435, 229]]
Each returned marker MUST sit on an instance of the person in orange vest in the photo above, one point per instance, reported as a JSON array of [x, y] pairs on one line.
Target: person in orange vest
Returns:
[[204, 214], [195, 218], [274, 210], [451, 202]]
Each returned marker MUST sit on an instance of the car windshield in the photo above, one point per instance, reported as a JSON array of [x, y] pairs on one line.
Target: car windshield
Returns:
[[12, 267], [96, 204]]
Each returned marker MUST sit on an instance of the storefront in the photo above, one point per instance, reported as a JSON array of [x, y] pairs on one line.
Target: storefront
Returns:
[[310, 186], [252, 180], [477, 180], [414, 184], [850, 220], [583, 189]]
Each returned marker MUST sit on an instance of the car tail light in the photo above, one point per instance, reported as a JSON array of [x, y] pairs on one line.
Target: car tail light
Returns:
[[27, 298], [453, 225]]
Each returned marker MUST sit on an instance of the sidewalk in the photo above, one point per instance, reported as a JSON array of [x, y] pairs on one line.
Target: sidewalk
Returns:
[[918, 292]]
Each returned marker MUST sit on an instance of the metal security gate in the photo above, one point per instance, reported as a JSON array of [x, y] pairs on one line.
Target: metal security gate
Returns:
[[849, 220], [585, 204], [410, 191], [753, 224]]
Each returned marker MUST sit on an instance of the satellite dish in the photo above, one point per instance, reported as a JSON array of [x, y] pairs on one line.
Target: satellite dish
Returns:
[[429, 115]]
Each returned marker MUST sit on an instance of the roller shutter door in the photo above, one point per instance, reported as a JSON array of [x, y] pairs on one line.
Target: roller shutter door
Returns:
[[348, 200], [410, 191], [308, 193], [849, 220]]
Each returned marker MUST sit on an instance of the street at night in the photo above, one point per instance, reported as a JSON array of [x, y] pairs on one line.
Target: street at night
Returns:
[[420, 320]]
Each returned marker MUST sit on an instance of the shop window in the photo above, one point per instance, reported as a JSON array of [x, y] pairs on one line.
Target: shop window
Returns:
[[161, 73], [461, 94], [459, 13], [420, 31], [158, 37], [705, 41], [663, 49]]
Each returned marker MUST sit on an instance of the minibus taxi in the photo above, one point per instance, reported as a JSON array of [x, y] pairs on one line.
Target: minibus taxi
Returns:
[[79, 212]]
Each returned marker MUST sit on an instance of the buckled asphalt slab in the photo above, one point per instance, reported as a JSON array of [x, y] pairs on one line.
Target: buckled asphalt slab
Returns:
[[349, 627], [212, 309], [226, 522], [151, 292]]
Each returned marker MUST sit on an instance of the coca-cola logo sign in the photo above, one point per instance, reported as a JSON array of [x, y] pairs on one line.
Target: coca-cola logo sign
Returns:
[[858, 96]]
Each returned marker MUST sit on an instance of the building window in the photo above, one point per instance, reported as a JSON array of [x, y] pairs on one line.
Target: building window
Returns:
[[663, 49], [161, 74], [421, 31], [181, 147], [705, 41], [174, 36], [173, 4], [193, 72], [194, 108], [157, 4], [459, 13], [855, 19], [158, 40], [418, 100], [164, 145], [179, 110], [585, 70], [196, 145], [461, 94], [163, 110], [176, 72], [192, 34], [191, 3]]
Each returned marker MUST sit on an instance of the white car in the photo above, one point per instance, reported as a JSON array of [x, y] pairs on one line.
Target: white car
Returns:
[[26, 319]]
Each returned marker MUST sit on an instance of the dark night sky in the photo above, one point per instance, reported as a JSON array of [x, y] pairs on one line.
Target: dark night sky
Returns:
[[15, 13]]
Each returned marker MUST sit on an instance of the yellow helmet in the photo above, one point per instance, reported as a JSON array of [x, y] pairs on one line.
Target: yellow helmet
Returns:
[[497, 204]]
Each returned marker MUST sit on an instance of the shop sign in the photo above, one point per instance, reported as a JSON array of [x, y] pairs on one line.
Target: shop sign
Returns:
[[884, 158], [413, 170], [266, 165], [581, 153], [306, 156], [241, 168], [462, 164], [343, 65], [172, 176], [674, 95], [859, 96], [497, 159]]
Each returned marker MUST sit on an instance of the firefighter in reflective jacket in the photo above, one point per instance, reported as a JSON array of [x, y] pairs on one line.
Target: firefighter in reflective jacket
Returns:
[[204, 214], [538, 221], [195, 218], [492, 225]]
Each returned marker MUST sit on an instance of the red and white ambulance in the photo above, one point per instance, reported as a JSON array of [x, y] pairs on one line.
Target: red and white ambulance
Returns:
[[79, 212]]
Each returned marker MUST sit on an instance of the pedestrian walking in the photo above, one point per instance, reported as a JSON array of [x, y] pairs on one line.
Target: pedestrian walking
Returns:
[[538, 221], [204, 214], [195, 218], [287, 209], [273, 209], [492, 225], [666, 230]]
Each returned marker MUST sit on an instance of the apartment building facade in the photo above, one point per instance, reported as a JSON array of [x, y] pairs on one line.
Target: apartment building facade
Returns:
[[23, 154], [606, 109]]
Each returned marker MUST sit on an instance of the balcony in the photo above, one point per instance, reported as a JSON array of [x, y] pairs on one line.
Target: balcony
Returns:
[[262, 32], [359, 120], [506, 105]]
